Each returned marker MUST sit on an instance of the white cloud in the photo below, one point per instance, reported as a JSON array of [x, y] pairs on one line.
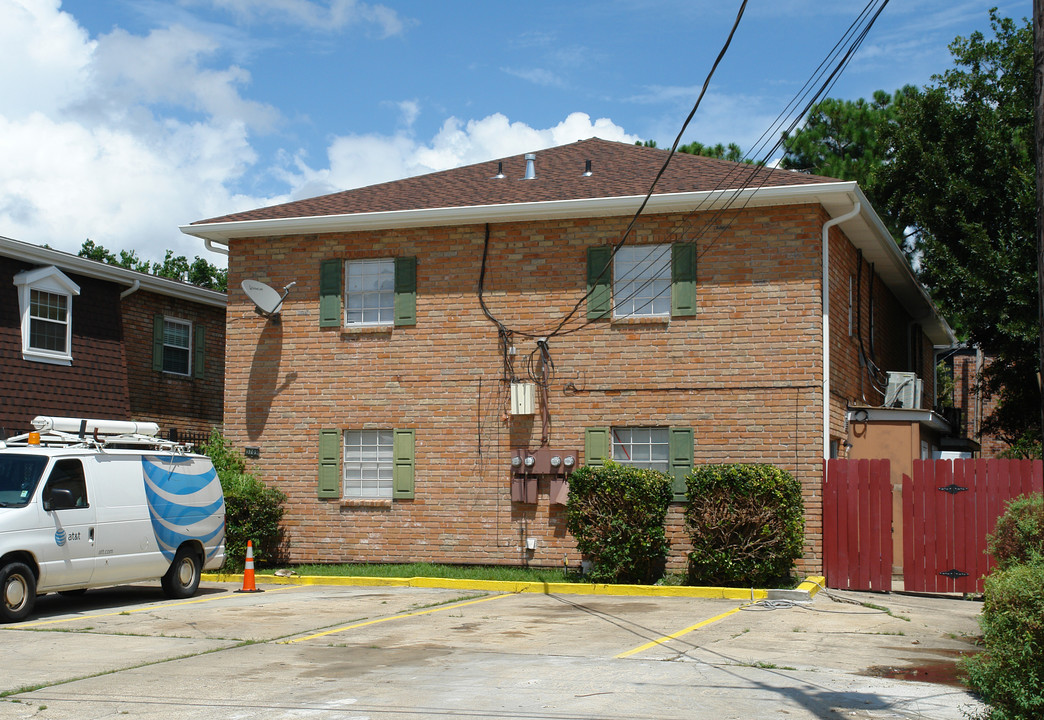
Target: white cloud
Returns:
[[359, 160], [333, 15]]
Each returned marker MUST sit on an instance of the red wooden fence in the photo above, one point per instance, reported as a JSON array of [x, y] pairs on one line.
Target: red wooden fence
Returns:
[[949, 507], [857, 524]]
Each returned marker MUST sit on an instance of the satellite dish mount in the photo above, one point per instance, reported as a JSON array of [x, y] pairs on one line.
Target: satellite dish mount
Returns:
[[267, 301]]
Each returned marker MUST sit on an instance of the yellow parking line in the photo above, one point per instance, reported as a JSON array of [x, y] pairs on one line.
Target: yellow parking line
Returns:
[[674, 636], [146, 608], [395, 617]]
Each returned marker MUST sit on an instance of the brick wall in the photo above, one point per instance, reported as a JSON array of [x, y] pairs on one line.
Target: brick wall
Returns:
[[976, 405], [744, 373], [184, 403]]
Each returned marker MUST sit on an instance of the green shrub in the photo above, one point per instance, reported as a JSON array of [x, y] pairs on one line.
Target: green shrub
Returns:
[[1019, 535], [617, 515], [746, 523], [253, 510], [1009, 672]]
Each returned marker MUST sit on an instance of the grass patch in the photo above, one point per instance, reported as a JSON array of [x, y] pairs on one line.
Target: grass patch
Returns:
[[455, 572]]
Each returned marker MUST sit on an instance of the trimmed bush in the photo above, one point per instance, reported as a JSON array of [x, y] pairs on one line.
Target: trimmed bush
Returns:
[[746, 523], [1009, 672], [617, 515], [253, 510], [1019, 535]]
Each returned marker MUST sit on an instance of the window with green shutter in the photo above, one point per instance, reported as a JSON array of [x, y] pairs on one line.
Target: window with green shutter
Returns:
[[375, 292], [667, 449], [644, 281], [375, 464], [329, 463]]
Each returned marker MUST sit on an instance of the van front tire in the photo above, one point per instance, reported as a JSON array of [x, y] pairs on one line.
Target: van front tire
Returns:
[[17, 592], [182, 578]]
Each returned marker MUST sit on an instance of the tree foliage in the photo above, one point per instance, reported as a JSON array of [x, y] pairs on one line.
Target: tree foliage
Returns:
[[951, 167], [199, 272]]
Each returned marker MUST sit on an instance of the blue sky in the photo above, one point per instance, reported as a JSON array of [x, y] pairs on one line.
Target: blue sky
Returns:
[[122, 119]]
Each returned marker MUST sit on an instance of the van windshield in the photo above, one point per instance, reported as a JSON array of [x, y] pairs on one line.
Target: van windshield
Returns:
[[19, 475]]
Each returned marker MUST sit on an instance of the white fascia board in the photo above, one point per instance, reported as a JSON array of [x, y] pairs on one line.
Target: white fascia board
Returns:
[[28, 252], [515, 212]]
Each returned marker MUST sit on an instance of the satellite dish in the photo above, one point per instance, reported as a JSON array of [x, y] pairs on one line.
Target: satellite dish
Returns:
[[268, 302]]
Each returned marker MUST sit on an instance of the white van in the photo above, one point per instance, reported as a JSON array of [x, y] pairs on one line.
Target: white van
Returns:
[[88, 503]]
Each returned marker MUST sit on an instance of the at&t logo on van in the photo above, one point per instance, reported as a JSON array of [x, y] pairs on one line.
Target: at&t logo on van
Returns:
[[59, 537]]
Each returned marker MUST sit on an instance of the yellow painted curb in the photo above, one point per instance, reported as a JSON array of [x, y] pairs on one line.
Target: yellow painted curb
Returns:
[[510, 586]]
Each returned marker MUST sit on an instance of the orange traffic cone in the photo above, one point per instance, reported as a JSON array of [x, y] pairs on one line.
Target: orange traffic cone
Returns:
[[248, 571]]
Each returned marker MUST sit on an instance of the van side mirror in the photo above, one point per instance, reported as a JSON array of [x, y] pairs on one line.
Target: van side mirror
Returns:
[[59, 499]]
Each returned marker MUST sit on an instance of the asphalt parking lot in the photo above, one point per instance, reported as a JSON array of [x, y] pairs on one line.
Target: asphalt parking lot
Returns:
[[300, 651]]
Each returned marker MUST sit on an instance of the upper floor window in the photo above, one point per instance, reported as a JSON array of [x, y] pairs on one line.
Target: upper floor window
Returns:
[[177, 346], [378, 292], [45, 301], [642, 281], [369, 292]]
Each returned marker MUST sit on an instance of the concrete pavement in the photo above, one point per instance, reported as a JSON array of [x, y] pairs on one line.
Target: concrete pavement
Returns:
[[418, 652]]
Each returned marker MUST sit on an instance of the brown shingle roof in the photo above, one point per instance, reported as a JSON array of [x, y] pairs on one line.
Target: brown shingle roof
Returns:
[[618, 170]]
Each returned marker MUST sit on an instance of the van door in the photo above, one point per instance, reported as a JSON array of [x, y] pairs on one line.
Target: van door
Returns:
[[68, 559]]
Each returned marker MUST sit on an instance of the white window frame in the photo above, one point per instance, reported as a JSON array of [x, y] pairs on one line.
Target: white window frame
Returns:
[[627, 442], [53, 281], [187, 348], [368, 464], [637, 272], [384, 270]]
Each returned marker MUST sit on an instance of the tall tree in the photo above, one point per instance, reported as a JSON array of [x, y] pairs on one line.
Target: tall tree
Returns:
[[960, 174], [175, 267]]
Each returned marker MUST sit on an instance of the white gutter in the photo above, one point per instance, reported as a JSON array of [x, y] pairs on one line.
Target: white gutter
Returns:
[[826, 321], [212, 247]]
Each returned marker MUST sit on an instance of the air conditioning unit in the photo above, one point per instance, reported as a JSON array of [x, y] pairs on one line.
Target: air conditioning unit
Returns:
[[904, 390]]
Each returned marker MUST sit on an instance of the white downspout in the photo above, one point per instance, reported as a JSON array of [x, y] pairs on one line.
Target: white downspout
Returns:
[[826, 322], [220, 249], [131, 290]]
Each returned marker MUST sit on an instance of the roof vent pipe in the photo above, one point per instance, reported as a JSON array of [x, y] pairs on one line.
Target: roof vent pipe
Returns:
[[530, 167], [587, 169], [500, 172]]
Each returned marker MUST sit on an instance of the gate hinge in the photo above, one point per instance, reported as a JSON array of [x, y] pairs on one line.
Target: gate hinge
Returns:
[[953, 489], [954, 574]]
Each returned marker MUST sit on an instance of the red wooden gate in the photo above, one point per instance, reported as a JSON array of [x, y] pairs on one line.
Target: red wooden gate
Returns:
[[949, 507], [857, 524]]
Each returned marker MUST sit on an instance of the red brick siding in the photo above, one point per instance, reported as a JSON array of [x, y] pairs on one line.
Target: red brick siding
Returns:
[[744, 374], [188, 404]]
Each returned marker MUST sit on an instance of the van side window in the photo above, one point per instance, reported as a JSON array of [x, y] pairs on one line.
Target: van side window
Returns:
[[67, 476]]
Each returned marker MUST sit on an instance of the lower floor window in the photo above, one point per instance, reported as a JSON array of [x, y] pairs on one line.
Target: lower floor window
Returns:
[[368, 465], [644, 447]]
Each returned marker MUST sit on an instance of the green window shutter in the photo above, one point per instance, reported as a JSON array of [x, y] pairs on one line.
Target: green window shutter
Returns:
[[403, 468], [330, 293], [596, 446], [599, 284], [405, 291], [683, 279], [157, 343], [681, 452], [200, 349], [329, 463]]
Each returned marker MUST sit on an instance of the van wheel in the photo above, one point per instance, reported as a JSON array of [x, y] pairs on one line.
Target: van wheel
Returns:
[[18, 588], [182, 578]]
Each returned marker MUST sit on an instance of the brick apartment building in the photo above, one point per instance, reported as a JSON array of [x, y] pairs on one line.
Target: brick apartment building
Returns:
[[443, 325], [81, 338]]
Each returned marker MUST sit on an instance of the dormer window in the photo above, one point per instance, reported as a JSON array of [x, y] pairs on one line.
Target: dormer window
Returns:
[[45, 302]]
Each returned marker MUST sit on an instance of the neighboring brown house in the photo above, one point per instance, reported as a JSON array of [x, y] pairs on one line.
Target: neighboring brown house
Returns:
[[444, 329], [80, 338]]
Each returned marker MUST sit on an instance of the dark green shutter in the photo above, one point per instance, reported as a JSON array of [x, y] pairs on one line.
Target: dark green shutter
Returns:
[[200, 359], [157, 343], [403, 468], [330, 293], [596, 446], [683, 279], [329, 463], [405, 291], [681, 453], [599, 283]]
